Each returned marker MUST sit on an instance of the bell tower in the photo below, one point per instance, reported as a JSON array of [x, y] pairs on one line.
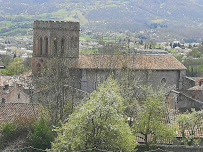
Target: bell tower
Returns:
[[51, 38]]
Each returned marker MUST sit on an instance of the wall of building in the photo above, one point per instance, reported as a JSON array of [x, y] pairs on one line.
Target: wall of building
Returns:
[[186, 102], [157, 78], [181, 101], [51, 38], [188, 83], [92, 77], [195, 94], [17, 96]]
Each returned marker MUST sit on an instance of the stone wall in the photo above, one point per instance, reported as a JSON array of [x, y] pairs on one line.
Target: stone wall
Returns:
[[51, 38], [186, 103], [179, 100], [171, 78], [92, 77], [188, 83], [195, 94], [17, 96]]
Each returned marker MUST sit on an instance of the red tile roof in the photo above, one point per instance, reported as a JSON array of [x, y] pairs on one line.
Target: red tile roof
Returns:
[[196, 88], [10, 111], [197, 80], [140, 62]]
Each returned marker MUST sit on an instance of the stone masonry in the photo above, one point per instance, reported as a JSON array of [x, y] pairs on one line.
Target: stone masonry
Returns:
[[49, 37]]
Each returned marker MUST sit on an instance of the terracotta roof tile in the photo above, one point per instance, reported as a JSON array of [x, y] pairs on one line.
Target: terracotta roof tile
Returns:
[[196, 88], [154, 62], [10, 111], [196, 79]]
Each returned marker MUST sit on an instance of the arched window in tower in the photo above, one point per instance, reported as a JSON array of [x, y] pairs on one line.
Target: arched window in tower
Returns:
[[46, 45], [62, 46], [55, 45], [72, 42], [40, 49]]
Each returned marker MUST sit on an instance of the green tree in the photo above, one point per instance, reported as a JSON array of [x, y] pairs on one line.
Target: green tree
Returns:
[[151, 121], [195, 53], [6, 60], [42, 135], [16, 67], [189, 123], [98, 123]]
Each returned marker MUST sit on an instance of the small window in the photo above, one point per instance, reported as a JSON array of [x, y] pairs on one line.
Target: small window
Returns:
[[19, 96], [55, 45], [163, 81], [62, 46]]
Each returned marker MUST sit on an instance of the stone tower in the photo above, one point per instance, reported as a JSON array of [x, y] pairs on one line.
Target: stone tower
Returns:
[[51, 37]]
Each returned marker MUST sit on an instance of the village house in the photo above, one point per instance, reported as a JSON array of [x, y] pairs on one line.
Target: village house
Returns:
[[13, 89]]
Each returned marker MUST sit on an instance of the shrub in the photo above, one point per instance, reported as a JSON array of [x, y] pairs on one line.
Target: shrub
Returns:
[[42, 135], [12, 131]]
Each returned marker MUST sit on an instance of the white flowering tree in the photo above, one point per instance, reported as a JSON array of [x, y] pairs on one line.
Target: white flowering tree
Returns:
[[98, 123], [189, 124], [152, 123]]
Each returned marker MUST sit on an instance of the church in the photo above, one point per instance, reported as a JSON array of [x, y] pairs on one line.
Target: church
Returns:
[[92, 69], [50, 36]]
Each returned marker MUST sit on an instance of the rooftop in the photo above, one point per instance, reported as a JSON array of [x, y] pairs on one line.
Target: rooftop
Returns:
[[139, 62]]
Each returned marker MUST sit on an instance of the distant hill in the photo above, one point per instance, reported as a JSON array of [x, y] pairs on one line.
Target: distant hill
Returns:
[[17, 15]]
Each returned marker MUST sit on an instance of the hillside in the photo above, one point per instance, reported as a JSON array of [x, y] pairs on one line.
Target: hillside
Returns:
[[17, 15]]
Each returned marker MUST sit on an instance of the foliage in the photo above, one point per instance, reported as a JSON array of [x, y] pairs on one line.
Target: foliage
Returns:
[[189, 123], [179, 57], [4, 71], [130, 86], [19, 128], [51, 82], [6, 60], [28, 64], [195, 53], [98, 123], [151, 121], [194, 66], [42, 135], [16, 67]]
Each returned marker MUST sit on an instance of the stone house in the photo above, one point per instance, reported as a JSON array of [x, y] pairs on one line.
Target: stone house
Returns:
[[190, 96], [13, 94]]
